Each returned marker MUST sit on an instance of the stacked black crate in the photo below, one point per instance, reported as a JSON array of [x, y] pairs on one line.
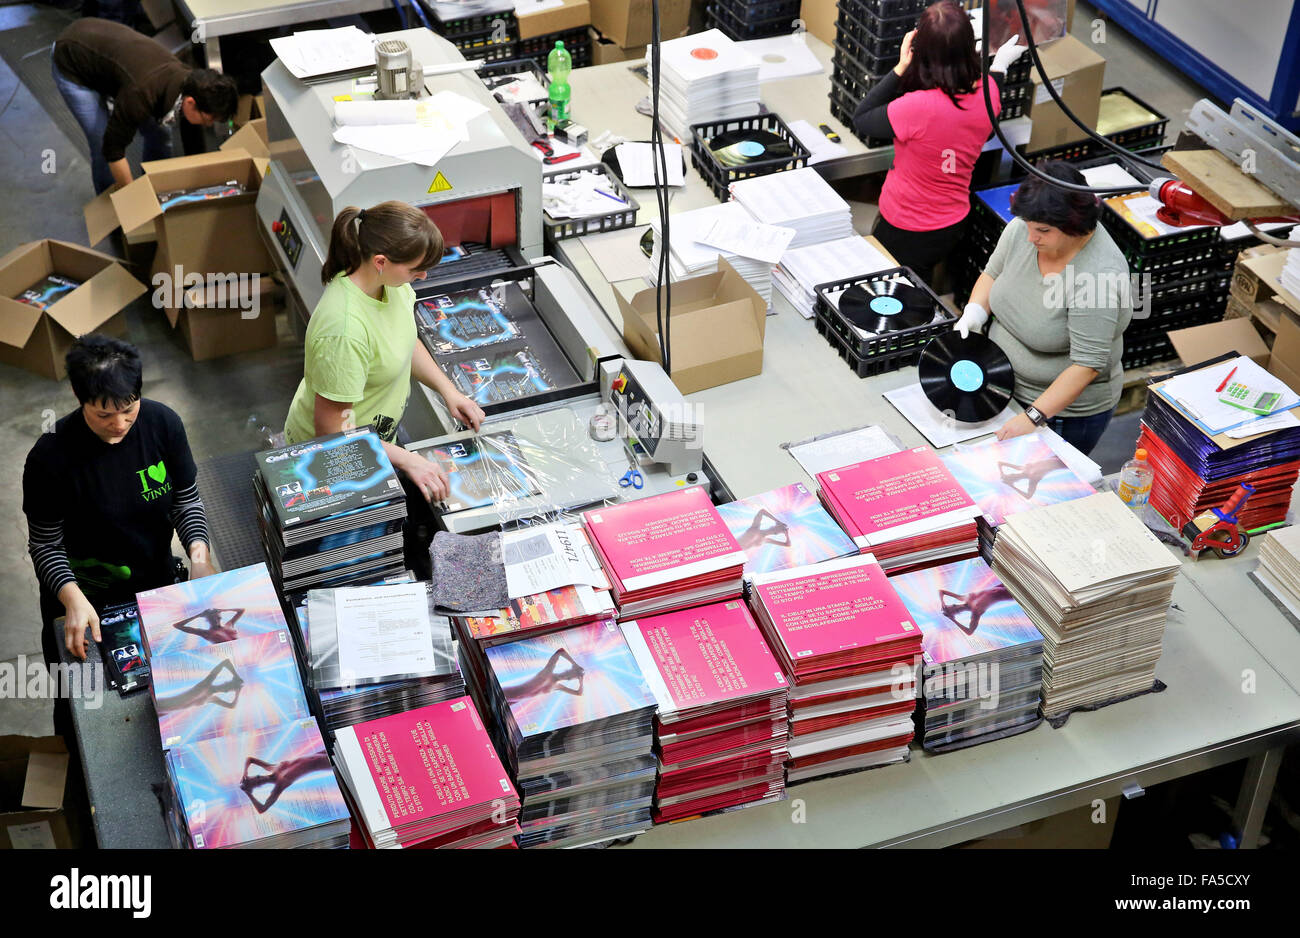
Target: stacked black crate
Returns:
[[753, 19], [868, 37]]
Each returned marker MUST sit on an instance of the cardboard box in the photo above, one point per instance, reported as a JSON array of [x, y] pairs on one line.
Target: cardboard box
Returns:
[[214, 236], [627, 22], [33, 785], [37, 339], [1200, 343], [1077, 73], [1069, 830], [250, 108], [573, 14], [252, 138], [212, 319], [819, 19], [605, 51], [716, 328]]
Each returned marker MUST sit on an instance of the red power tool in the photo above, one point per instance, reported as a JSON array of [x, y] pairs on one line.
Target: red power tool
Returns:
[[1218, 528]]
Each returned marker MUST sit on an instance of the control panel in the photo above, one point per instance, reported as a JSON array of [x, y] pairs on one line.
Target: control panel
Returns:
[[284, 233]]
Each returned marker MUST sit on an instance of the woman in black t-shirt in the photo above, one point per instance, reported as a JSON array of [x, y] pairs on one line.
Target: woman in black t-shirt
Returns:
[[103, 493]]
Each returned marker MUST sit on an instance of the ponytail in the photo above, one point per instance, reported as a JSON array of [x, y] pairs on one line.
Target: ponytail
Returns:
[[400, 232]]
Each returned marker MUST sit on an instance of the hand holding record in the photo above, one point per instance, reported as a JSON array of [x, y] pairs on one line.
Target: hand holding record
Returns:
[[970, 378]]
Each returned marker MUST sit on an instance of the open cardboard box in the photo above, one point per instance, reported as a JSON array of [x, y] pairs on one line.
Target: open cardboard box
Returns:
[[219, 235], [37, 339], [627, 22], [1077, 73], [33, 786], [571, 14], [604, 51], [252, 138], [221, 319], [1201, 343], [716, 328]]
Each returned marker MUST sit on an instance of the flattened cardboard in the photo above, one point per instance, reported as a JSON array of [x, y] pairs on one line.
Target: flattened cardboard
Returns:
[[574, 14], [35, 826], [1201, 343], [627, 22], [47, 775], [717, 327], [1081, 73]]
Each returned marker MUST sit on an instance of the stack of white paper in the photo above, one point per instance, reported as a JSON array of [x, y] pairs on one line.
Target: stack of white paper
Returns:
[[1278, 572], [801, 270], [1291, 272], [319, 52], [800, 199], [705, 77], [689, 256], [1097, 584]]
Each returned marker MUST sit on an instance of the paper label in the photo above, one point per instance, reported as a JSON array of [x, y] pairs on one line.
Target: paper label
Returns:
[[36, 836], [1041, 93]]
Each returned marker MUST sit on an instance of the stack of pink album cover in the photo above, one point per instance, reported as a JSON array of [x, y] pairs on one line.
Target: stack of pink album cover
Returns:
[[666, 552], [722, 732], [905, 508], [851, 649], [428, 778]]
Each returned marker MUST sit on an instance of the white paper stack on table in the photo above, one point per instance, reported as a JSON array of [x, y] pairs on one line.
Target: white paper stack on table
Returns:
[[982, 659], [722, 731], [797, 198], [849, 647], [575, 720], [706, 77], [666, 552], [1278, 573], [688, 256], [801, 270], [1097, 584], [906, 508], [429, 777], [377, 650], [1291, 272]]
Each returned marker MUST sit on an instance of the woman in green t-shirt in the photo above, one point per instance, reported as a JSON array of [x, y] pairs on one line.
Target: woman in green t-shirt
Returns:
[[362, 348]]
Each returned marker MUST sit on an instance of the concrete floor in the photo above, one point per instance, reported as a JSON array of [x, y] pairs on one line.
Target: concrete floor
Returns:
[[216, 399]]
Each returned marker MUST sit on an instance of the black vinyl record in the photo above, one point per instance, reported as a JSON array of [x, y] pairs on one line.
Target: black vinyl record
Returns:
[[610, 159], [886, 306], [970, 378], [733, 148]]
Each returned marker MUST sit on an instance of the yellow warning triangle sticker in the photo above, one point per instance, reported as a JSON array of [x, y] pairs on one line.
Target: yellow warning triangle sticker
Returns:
[[440, 183]]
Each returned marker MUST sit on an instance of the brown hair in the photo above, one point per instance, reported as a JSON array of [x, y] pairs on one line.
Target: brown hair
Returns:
[[943, 53], [400, 232]]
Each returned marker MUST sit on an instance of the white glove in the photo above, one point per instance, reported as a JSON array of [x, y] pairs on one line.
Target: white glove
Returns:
[[972, 319], [1007, 54]]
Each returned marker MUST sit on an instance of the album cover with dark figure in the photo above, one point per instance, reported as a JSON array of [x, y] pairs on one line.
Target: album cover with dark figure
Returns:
[[122, 648], [327, 476], [47, 291], [499, 376], [467, 319], [226, 606], [484, 470], [1006, 477], [225, 190], [786, 527]]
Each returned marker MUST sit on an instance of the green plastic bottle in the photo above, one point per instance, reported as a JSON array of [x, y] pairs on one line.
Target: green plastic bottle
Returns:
[[559, 63]]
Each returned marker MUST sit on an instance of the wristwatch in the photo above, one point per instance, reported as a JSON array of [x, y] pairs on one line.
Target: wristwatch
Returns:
[[1036, 416]]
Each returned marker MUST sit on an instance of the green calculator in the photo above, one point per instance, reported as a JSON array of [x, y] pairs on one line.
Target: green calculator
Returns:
[[1244, 397]]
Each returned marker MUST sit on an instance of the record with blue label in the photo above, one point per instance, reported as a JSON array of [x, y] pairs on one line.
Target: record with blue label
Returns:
[[969, 378], [886, 306], [743, 147]]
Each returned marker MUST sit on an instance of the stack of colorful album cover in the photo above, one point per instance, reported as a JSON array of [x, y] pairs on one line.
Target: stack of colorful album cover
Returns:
[[722, 733], [233, 604], [331, 511], [47, 291], [270, 789], [1196, 472], [575, 719], [905, 508], [1097, 585], [1006, 477], [122, 647], [428, 778], [850, 649], [369, 654], [666, 552], [982, 658], [783, 528]]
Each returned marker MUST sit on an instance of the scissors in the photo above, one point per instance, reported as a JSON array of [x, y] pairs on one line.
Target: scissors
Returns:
[[632, 478]]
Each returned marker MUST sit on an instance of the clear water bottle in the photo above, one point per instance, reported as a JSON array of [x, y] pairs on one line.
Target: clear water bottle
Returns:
[[559, 64], [1135, 481]]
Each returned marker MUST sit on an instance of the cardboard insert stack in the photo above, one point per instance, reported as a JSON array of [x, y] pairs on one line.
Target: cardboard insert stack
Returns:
[[1097, 584], [982, 659], [721, 734], [1006, 477], [802, 269], [331, 511], [848, 645], [868, 37], [1278, 572], [690, 257], [575, 724], [1184, 266], [1196, 472], [706, 77], [352, 691], [905, 508], [753, 19], [666, 552], [428, 778]]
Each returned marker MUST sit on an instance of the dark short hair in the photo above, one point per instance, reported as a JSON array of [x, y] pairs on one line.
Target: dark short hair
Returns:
[[213, 92], [102, 368], [1037, 200], [943, 53]]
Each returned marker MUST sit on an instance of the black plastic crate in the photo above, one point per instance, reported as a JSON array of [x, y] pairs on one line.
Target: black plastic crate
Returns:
[[893, 27], [866, 367], [891, 342], [1147, 352], [846, 62], [1201, 252], [742, 30], [889, 9], [1203, 308], [846, 25], [473, 25], [759, 11], [492, 70], [720, 177], [577, 42], [845, 116], [1170, 294], [870, 63], [1143, 132], [624, 217], [1133, 244], [856, 85]]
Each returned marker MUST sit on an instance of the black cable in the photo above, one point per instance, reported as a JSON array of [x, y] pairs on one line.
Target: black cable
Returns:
[[1010, 148], [659, 163]]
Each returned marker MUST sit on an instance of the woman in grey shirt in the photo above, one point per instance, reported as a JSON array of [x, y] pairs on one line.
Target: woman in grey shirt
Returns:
[[1059, 292]]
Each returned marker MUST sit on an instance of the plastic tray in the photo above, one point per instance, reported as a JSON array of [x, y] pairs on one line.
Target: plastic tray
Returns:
[[1143, 132], [884, 27], [758, 11], [890, 343], [888, 9], [868, 41], [854, 84], [720, 177], [866, 367], [576, 41], [561, 228], [472, 25], [1135, 246], [742, 30], [845, 116]]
